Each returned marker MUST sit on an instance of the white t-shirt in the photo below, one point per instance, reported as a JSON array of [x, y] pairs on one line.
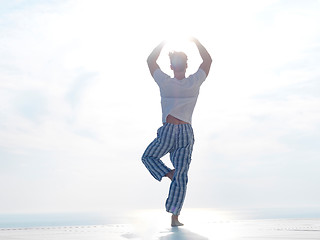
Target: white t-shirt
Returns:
[[179, 97]]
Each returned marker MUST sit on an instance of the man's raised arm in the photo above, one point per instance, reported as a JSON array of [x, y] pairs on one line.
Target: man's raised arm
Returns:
[[153, 57], [206, 58]]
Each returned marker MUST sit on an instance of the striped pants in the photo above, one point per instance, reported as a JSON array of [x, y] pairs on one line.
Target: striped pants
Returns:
[[178, 141]]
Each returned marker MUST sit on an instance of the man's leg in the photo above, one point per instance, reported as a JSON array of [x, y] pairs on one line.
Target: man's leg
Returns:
[[157, 149], [180, 158], [178, 185]]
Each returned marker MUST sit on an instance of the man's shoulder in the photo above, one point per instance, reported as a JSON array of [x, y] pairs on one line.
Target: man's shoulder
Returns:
[[159, 75], [199, 75]]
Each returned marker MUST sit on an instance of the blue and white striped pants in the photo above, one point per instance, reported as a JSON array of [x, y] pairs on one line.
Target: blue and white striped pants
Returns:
[[177, 140]]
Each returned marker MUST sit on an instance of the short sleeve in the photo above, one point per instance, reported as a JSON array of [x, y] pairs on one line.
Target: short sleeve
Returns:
[[199, 76], [159, 76]]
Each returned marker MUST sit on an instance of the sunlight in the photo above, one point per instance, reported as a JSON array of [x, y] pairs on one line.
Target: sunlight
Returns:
[[198, 224], [149, 222], [179, 43], [85, 61], [183, 43], [210, 222]]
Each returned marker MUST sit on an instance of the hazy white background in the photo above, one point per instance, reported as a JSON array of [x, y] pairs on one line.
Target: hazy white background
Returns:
[[78, 105]]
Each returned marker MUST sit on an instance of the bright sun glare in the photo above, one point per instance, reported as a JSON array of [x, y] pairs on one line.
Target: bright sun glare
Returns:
[[184, 44], [197, 222], [179, 43]]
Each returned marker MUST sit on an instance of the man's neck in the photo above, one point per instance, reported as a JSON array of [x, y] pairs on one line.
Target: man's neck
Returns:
[[179, 75]]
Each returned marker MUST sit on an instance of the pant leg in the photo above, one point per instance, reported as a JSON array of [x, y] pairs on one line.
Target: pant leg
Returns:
[[157, 149], [180, 158]]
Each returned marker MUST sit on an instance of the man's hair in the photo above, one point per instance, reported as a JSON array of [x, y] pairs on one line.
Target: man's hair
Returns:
[[178, 60]]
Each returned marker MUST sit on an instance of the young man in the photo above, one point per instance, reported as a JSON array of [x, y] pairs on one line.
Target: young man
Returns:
[[178, 99]]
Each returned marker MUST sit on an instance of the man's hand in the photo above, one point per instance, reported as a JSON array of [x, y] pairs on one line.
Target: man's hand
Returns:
[[193, 39]]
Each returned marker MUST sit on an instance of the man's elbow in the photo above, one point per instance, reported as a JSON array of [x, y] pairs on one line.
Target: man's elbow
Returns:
[[149, 62], [150, 59], [207, 61]]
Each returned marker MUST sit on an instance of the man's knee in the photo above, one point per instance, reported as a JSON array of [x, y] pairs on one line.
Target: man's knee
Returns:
[[144, 159]]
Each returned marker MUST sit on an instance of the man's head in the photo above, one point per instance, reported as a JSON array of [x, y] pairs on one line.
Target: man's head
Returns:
[[178, 61]]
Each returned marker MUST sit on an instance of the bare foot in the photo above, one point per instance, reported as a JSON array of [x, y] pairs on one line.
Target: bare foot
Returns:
[[175, 222], [170, 174]]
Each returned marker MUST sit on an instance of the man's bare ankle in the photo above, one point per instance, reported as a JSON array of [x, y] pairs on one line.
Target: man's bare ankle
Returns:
[[170, 174], [175, 221]]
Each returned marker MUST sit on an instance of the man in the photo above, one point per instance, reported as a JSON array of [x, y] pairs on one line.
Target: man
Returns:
[[178, 99]]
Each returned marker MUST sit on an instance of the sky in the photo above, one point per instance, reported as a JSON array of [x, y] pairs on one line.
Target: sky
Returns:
[[78, 105]]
